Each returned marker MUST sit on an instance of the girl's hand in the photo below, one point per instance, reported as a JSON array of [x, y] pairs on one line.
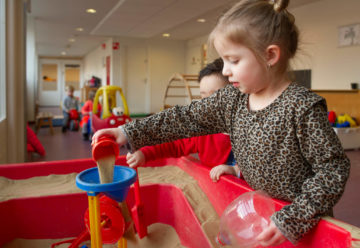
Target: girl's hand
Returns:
[[271, 236], [219, 170], [135, 159], [115, 132]]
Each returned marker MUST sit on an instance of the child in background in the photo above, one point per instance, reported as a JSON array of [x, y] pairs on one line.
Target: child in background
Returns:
[[214, 150], [280, 135], [69, 103], [86, 112]]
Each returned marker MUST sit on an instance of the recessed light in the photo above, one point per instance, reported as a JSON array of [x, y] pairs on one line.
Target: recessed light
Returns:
[[201, 20], [166, 35], [63, 53], [72, 40], [79, 29], [91, 11]]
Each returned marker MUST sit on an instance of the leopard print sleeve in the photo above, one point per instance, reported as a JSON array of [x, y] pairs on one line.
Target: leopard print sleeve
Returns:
[[323, 152], [207, 116]]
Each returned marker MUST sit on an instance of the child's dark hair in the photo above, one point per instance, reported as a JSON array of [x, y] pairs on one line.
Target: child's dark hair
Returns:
[[257, 24], [213, 68]]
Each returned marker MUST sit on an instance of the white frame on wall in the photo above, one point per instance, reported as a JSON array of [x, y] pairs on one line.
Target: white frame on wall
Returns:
[[349, 35], [2, 60]]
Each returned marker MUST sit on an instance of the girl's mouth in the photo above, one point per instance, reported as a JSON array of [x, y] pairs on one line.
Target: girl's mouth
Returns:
[[236, 84]]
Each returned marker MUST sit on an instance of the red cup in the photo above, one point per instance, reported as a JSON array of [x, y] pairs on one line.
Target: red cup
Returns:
[[105, 146]]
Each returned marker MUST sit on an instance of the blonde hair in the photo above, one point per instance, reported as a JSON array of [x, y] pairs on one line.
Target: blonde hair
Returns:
[[70, 88], [257, 24]]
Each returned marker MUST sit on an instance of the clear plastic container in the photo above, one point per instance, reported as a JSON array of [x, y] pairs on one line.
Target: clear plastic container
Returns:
[[244, 219]]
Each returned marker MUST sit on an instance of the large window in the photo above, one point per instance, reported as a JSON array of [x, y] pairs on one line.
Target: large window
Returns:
[[2, 61]]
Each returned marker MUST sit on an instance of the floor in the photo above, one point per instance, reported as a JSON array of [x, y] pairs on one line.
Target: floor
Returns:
[[70, 145], [62, 146]]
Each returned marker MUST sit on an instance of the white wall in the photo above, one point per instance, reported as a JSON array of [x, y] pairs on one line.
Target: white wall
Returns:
[[165, 59], [31, 69], [133, 72], [194, 53], [141, 67], [94, 62], [332, 67], [117, 66]]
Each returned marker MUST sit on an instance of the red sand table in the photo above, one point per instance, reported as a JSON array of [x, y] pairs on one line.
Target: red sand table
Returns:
[[61, 216]]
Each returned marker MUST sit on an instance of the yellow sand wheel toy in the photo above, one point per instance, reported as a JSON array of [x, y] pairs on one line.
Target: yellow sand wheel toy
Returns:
[[111, 220], [103, 218]]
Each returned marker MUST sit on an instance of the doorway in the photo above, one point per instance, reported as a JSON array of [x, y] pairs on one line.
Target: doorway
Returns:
[[54, 76]]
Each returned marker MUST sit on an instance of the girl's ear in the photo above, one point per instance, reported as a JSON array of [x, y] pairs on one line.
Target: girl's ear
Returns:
[[272, 54]]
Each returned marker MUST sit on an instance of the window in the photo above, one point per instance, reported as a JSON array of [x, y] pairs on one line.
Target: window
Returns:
[[72, 76], [2, 61]]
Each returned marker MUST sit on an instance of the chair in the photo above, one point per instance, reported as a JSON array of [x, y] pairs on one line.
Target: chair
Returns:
[[44, 119]]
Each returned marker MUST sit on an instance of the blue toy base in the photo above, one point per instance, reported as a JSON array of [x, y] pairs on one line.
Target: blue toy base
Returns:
[[89, 181]]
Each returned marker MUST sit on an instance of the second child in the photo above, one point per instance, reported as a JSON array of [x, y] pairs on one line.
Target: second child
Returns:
[[214, 150]]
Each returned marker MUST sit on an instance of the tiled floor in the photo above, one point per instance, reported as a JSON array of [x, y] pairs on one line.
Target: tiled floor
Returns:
[[71, 146]]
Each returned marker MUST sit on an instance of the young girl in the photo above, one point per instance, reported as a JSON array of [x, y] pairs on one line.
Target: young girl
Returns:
[[214, 150], [279, 131]]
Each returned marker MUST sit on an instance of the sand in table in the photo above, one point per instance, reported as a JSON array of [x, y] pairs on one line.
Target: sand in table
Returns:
[[62, 184], [38, 186], [106, 169], [160, 236]]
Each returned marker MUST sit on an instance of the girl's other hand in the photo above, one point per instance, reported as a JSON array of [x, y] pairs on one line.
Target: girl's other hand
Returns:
[[271, 236], [135, 159], [219, 170], [114, 132]]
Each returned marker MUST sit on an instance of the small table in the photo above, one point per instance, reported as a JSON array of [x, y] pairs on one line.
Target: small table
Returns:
[[44, 119]]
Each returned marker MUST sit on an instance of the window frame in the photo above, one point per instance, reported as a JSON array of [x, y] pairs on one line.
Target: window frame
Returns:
[[2, 59]]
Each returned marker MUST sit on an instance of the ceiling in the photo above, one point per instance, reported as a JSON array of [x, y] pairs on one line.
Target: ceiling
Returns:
[[56, 21]]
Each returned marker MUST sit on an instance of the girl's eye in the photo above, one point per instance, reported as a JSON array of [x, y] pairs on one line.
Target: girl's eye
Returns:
[[234, 61]]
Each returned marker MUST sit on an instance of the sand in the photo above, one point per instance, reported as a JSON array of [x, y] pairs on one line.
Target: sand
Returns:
[[106, 169], [158, 233], [37, 186], [159, 236]]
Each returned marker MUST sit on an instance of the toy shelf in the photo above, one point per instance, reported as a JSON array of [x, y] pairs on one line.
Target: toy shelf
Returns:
[[344, 102]]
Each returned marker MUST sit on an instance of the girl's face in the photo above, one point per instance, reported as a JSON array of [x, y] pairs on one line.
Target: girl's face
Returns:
[[245, 72], [211, 83]]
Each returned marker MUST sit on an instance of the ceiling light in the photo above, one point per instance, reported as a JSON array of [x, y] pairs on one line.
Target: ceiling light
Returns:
[[166, 35], [201, 20], [79, 29], [63, 53], [72, 40], [91, 11]]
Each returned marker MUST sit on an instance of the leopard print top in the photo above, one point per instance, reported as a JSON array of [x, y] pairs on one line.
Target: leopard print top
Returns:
[[287, 149]]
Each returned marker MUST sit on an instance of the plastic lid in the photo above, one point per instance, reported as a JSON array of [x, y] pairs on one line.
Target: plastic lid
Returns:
[[245, 218]]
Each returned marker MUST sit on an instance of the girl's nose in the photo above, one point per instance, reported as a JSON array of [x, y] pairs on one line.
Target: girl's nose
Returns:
[[226, 71]]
